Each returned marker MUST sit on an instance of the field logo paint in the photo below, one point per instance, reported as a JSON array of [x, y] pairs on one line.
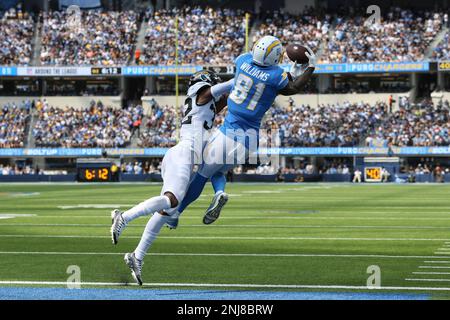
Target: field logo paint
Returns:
[[374, 280], [375, 17], [74, 280]]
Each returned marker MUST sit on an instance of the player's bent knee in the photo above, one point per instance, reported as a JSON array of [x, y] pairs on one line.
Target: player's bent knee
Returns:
[[172, 198]]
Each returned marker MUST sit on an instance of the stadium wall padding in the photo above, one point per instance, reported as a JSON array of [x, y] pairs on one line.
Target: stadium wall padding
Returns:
[[154, 177], [38, 178], [151, 177]]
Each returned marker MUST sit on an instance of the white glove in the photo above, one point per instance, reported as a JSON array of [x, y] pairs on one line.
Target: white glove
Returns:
[[296, 69], [311, 57]]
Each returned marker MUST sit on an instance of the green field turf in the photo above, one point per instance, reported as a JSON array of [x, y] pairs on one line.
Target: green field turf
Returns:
[[276, 235]]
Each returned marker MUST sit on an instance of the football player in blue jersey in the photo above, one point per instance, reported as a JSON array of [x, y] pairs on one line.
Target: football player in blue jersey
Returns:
[[257, 82]]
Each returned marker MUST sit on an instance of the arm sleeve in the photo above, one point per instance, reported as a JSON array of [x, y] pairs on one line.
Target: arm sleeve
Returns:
[[221, 88]]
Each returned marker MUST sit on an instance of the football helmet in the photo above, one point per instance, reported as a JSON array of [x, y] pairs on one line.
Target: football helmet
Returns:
[[205, 76], [267, 51]]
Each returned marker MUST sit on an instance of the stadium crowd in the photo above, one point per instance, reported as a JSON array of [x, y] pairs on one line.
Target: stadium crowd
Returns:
[[401, 35], [216, 36], [138, 167], [207, 36], [13, 122], [340, 125], [6, 170], [17, 30], [160, 130], [442, 50], [314, 28], [420, 125], [95, 126], [101, 38]]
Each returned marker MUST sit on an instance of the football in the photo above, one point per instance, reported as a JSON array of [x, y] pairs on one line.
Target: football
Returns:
[[296, 53]]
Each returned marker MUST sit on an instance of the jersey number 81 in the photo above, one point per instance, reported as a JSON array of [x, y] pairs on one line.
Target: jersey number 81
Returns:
[[242, 87]]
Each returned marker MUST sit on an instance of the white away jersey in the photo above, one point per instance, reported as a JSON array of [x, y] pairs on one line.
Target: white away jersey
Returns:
[[196, 118]]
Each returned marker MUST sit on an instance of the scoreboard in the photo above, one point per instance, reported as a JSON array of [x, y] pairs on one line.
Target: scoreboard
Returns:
[[95, 170]]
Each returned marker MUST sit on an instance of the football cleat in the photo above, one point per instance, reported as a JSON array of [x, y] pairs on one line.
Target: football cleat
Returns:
[[118, 224], [172, 222], [213, 212], [135, 266]]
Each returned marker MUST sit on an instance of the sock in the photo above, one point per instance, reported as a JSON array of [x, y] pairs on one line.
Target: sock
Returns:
[[218, 182], [151, 231], [194, 191], [147, 207]]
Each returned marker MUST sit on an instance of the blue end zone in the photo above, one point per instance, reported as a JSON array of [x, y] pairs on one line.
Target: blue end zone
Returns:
[[11, 293]]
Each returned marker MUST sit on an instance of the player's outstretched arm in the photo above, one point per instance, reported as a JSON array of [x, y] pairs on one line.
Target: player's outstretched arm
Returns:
[[294, 86], [215, 92]]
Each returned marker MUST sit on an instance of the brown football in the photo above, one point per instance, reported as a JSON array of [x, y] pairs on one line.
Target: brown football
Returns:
[[296, 52]]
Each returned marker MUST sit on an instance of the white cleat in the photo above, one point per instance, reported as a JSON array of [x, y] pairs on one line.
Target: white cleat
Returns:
[[172, 223], [118, 225], [213, 212], [135, 266]]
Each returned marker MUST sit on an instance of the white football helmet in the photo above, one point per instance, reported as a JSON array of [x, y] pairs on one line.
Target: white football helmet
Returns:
[[267, 51]]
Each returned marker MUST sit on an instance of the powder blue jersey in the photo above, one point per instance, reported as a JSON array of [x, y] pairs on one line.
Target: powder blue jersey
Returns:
[[253, 93]]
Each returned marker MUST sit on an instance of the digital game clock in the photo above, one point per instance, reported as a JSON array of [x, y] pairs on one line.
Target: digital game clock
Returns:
[[94, 171]]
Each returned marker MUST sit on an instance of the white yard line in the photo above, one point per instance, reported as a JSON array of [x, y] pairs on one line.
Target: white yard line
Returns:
[[222, 238], [431, 272], [94, 206], [258, 217], [229, 226], [293, 255], [13, 215], [227, 285], [428, 280], [432, 261], [433, 267]]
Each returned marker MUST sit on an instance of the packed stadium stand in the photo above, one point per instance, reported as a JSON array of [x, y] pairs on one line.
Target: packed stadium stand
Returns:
[[17, 30], [214, 36], [339, 125], [208, 36], [401, 35], [87, 83], [160, 129], [13, 122], [313, 28], [101, 38], [442, 50], [95, 126]]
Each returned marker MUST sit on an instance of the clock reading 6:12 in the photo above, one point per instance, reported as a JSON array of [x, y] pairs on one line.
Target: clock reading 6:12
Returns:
[[101, 174]]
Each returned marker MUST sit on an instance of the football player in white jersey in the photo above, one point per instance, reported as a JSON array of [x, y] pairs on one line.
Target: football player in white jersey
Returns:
[[206, 96]]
